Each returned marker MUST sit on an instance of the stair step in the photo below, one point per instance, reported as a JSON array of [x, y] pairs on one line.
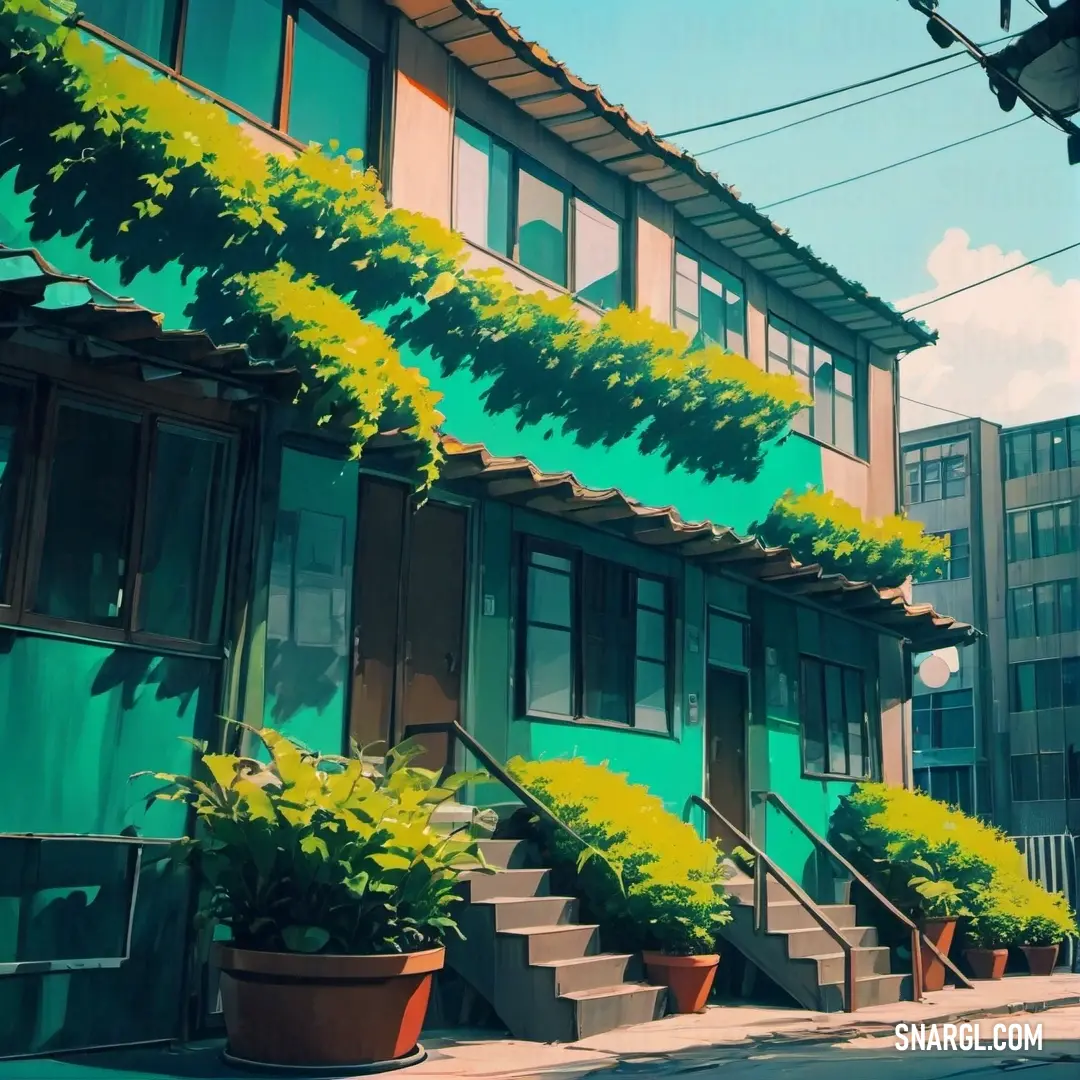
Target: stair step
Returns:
[[815, 942], [868, 962], [607, 1007], [869, 990], [570, 941], [791, 915], [590, 972], [512, 912], [741, 888], [507, 883], [505, 854]]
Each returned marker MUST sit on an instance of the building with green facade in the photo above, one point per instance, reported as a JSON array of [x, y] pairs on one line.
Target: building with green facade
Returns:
[[187, 534]]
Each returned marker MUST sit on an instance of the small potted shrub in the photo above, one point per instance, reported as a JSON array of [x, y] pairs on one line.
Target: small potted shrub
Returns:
[[989, 936], [940, 904], [335, 891], [1040, 938]]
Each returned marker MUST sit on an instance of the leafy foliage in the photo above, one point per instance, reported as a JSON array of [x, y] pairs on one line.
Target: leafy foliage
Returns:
[[909, 844], [1042, 930], [820, 527], [143, 171], [658, 885], [993, 930], [319, 854]]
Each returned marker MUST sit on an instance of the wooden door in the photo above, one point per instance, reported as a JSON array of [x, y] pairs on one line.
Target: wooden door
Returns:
[[434, 635], [726, 703]]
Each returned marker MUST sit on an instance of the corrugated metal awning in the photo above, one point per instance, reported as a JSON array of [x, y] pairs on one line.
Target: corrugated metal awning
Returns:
[[578, 113]]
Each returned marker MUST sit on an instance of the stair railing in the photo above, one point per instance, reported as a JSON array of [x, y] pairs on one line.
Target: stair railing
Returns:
[[763, 867], [455, 734], [916, 936]]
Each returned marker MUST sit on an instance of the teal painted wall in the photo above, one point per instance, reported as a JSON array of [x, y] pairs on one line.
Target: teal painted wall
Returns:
[[76, 721]]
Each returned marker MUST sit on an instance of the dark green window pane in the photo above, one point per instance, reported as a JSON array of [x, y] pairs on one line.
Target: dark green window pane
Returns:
[[499, 175], [549, 600], [1025, 777], [813, 716], [835, 719], [331, 87], [858, 752], [651, 635], [1022, 688], [13, 406], [88, 524], [650, 696], [608, 642], [233, 47], [147, 25], [180, 595], [727, 641], [1051, 776], [597, 256], [541, 227], [548, 671]]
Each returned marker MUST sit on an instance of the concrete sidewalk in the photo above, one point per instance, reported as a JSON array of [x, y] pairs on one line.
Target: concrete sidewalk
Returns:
[[461, 1055]]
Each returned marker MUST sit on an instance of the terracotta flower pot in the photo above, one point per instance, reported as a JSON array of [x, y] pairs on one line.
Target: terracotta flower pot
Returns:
[[1041, 959], [940, 932], [688, 978], [987, 963], [293, 1009]]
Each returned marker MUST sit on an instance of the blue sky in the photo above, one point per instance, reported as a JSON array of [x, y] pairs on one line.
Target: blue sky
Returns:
[[1013, 194]]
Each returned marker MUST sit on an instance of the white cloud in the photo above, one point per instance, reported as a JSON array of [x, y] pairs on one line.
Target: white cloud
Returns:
[[1008, 351]]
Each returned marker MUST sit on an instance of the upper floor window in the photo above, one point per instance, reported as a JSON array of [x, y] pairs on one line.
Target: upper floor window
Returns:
[[1044, 684], [709, 302], [949, 784], [509, 204], [936, 472], [240, 50], [596, 640], [832, 381], [835, 732], [132, 518], [1043, 449], [1036, 533], [944, 720], [959, 564], [1052, 607]]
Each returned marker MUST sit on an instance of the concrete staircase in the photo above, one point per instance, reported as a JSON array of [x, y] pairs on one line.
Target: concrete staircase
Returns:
[[539, 968], [802, 958]]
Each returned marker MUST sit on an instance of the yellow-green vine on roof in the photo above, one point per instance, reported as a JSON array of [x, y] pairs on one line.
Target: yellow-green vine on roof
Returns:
[[146, 173]]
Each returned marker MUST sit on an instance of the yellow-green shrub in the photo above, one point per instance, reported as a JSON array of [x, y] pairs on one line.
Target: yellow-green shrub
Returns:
[[891, 834], [657, 884]]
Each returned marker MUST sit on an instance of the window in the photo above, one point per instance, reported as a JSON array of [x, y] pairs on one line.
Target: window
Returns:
[[14, 403], [1043, 449], [709, 302], [510, 205], [1049, 608], [936, 472], [1044, 684], [830, 380], [1039, 532], [959, 563], [132, 521], [727, 641], [240, 51], [1038, 776], [948, 784], [944, 721], [835, 734], [596, 642], [149, 26]]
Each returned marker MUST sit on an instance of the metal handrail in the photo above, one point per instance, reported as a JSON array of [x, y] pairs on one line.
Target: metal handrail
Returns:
[[917, 936], [763, 866], [455, 733]]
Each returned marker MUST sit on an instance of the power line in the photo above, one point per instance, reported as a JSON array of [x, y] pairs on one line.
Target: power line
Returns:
[[894, 165], [992, 277], [824, 94], [835, 109], [940, 408]]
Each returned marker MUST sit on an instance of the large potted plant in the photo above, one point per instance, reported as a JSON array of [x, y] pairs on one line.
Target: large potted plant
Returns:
[[1039, 939], [989, 936], [940, 904], [336, 892]]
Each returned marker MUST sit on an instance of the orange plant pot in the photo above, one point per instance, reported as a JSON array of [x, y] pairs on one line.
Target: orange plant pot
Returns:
[[940, 932], [1041, 959], [688, 978], [987, 963], [298, 1010]]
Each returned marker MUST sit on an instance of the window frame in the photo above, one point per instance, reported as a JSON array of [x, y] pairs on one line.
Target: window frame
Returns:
[[1071, 530], [27, 442], [942, 461], [579, 559], [702, 262], [774, 362], [277, 125], [1068, 427], [521, 161], [39, 436], [936, 710], [868, 742]]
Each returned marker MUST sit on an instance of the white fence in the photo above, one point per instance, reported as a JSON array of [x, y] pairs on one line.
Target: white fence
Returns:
[[1052, 861]]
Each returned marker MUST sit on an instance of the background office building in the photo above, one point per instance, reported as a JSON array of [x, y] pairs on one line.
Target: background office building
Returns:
[[996, 727]]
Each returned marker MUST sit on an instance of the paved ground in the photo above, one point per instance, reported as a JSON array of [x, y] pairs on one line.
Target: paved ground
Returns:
[[725, 1041]]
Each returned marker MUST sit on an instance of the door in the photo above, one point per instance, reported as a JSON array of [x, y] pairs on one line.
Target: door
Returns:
[[726, 700], [434, 625]]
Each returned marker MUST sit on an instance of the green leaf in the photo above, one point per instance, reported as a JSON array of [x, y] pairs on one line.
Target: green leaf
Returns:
[[68, 131], [314, 845], [305, 939]]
